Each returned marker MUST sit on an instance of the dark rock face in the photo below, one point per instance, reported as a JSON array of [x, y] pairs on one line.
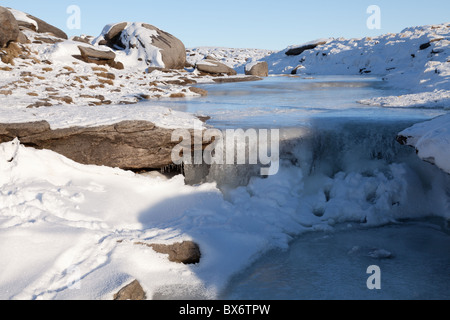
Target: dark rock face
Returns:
[[9, 28], [215, 67], [299, 50], [133, 291], [129, 145]]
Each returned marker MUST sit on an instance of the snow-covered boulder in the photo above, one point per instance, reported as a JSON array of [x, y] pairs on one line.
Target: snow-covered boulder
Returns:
[[9, 29], [431, 140], [257, 68], [215, 67], [297, 50], [145, 45], [29, 22]]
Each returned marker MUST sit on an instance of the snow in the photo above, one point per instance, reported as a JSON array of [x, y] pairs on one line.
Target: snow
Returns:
[[61, 117], [68, 231], [235, 58], [22, 16], [432, 141], [139, 51]]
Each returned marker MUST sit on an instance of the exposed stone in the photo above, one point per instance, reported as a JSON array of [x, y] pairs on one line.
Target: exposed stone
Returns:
[[186, 252], [299, 50], [131, 145], [199, 91], [9, 28], [259, 69], [215, 67], [132, 291], [42, 27], [87, 52], [236, 79], [99, 57]]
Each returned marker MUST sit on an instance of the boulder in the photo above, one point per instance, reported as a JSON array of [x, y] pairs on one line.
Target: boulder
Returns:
[[215, 67], [132, 291], [87, 52], [186, 252], [9, 28], [307, 46], [259, 69], [99, 57], [129, 145], [155, 47], [27, 21]]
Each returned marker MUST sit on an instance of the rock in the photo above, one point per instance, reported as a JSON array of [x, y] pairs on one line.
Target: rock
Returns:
[[22, 38], [236, 79], [309, 46], [215, 67], [129, 145], [186, 252], [37, 25], [87, 52], [80, 39], [99, 57], [154, 46], [9, 28], [199, 91], [133, 291], [259, 69], [112, 37]]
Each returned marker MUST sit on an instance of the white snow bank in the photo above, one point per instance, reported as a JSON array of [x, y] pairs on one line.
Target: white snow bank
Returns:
[[60, 117], [432, 141], [414, 59], [435, 99]]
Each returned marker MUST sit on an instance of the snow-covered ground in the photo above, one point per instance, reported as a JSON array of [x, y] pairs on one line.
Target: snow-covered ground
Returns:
[[235, 58]]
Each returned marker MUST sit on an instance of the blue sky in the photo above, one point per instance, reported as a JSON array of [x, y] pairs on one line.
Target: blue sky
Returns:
[[266, 24]]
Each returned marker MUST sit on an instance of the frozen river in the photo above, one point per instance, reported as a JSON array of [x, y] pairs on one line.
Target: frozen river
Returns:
[[365, 200]]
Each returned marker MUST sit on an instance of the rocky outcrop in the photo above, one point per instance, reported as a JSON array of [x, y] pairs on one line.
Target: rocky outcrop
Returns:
[[186, 252], [259, 69], [100, 57], [154, 46], [39, 26], [309, 46], [9, 28], [130, 145], [132, 291], [215, 67]]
